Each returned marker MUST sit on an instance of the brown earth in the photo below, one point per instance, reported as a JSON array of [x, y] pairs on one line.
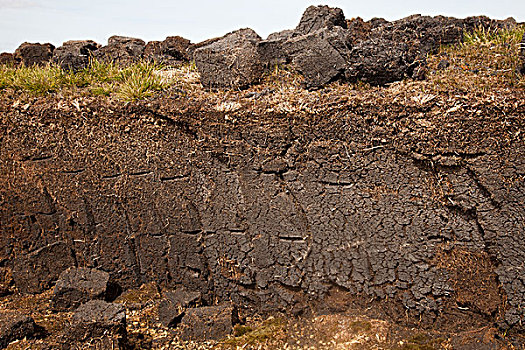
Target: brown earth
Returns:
[[355, 328], [394, 204]]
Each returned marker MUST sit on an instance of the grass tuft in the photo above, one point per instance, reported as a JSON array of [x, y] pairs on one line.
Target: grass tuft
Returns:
[[101, 72], [140, 81], [6, 76], [486, 60], [136, 81], [40, 80], [493, 36]]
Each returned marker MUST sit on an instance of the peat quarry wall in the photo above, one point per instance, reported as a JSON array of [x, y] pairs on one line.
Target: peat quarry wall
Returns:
[[413, 208]]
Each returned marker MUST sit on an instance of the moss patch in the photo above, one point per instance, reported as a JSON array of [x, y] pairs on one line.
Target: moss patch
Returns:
[[270, 329]]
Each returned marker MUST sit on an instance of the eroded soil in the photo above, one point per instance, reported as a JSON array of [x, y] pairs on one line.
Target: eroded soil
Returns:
[[381, 217], [356, 328]]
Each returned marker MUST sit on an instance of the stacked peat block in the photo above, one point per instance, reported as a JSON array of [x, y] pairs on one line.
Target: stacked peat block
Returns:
[[325, 47]]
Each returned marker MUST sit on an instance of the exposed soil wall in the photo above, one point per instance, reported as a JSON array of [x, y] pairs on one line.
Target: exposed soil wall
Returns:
[[415, 210]]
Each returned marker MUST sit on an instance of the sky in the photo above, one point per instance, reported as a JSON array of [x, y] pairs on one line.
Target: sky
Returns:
[[56, 21]]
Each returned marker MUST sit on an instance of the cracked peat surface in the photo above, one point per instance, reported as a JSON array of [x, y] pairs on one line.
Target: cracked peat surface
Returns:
[[407, 207]]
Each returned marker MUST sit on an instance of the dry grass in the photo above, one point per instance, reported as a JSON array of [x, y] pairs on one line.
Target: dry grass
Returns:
[[486, 60], [483, 67], [485, 63]]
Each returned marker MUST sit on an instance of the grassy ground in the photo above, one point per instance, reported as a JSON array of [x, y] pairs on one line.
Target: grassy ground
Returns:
[[486, 60], [136, 81]]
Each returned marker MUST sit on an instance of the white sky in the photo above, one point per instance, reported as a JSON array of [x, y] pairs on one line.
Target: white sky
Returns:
[[56, 21]]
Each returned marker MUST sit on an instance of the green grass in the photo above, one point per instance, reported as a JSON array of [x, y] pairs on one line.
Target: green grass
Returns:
[[39, 80], [495, 50], [487, 59], [493, 36], [139, 81], [133, 82], [102, 72]]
